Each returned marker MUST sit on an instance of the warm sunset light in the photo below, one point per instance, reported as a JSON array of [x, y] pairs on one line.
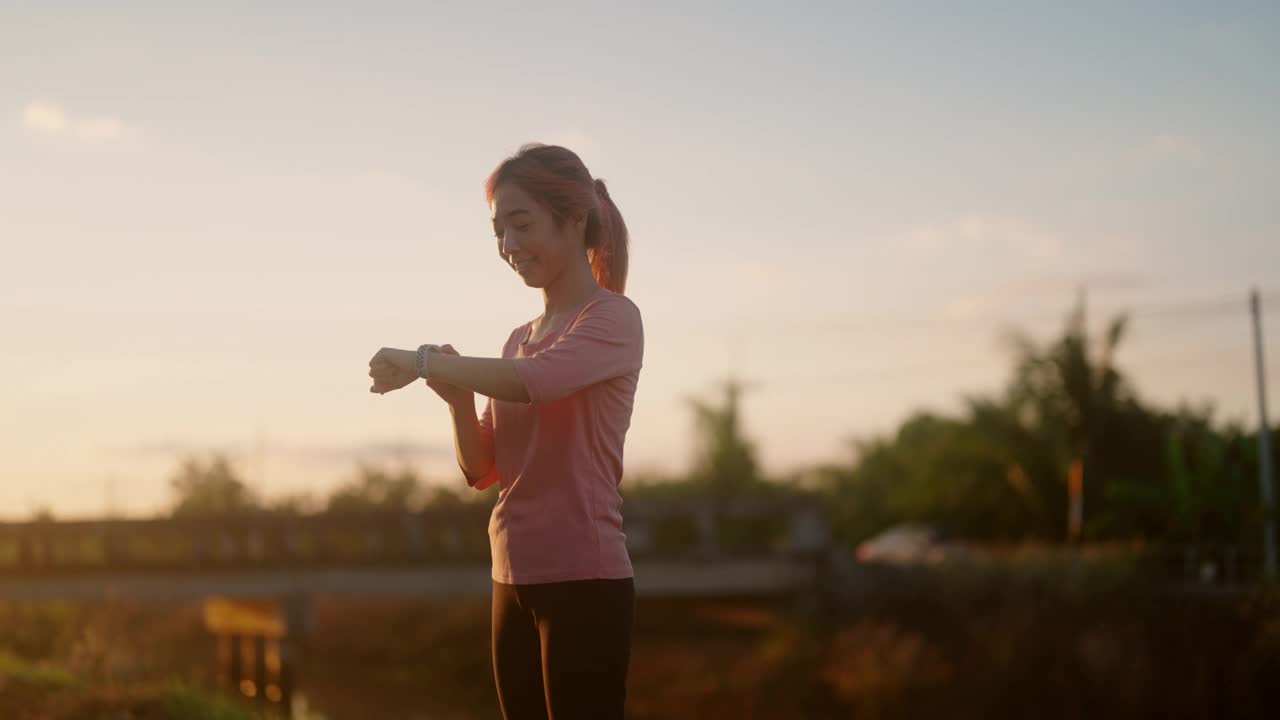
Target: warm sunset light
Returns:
[[695, 360]]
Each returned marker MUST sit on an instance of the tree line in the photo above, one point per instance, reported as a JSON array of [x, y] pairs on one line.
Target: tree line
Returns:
[[1003, 469]]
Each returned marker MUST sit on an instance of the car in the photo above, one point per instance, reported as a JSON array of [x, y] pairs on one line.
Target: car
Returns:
[[904, 544]]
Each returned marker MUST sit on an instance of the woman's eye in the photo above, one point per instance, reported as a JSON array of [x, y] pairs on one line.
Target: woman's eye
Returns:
[[517, 228]]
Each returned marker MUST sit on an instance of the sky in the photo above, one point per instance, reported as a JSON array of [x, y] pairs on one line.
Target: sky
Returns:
[[213, 215]]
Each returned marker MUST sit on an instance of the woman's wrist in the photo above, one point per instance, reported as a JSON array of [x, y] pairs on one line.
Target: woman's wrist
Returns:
[[422, 360]]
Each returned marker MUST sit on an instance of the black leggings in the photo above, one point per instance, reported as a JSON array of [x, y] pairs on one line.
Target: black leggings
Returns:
[[561, 649]]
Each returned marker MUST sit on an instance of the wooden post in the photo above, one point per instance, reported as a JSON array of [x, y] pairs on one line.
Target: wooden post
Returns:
[[257, 630], [260, 669], [222, 663], [236, 671], [286, 676], [1075, 495]]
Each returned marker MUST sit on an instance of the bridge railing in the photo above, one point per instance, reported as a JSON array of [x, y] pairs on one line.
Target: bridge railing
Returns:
[[683, 529]]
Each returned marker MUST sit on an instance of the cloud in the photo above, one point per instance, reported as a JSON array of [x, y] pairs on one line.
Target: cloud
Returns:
[[374, 452], [99, 128], [965, 308], [761, 275], [980, 233], [158, 446], [44, 117], [168, 447], [1061, 282], [1025, 290], [52, 119], [1171, 145]]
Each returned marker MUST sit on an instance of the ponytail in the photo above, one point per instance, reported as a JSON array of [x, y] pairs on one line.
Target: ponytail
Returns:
[[607, 239]]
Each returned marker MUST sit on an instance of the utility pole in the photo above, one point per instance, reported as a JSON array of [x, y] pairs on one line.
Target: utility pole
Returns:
[[1264, 447]]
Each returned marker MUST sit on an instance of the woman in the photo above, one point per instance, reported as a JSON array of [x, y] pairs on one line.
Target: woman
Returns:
[[551, 437]]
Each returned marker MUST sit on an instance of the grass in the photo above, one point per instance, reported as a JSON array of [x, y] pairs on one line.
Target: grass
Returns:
[[63, 661], [1030, 637], [38, 675]]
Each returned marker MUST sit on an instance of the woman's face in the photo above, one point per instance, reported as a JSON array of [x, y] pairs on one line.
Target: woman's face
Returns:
[[528, 239]]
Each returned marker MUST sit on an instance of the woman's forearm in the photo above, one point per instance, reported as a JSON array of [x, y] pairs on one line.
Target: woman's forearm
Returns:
[[475, 452], [491, 377]]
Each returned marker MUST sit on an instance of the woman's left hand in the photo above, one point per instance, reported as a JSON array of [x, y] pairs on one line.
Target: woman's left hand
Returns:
[[392, 369]]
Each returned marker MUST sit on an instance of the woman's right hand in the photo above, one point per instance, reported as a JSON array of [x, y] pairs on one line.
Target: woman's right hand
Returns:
[[450, 393]]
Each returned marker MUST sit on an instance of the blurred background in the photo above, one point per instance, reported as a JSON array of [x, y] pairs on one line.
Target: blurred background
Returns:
[[961, 330]]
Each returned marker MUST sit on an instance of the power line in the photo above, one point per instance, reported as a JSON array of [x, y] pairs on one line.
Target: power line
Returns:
[[1177, 309], [826, 381], [1203, 308], [1215, 307]]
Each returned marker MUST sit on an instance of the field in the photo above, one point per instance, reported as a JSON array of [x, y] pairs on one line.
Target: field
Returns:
[[960, 644]]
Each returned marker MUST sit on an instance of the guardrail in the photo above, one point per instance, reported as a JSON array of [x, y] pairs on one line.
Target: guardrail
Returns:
[[444, 535]]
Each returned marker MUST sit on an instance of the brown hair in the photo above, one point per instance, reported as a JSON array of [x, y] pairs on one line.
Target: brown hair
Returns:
[[556, 177]]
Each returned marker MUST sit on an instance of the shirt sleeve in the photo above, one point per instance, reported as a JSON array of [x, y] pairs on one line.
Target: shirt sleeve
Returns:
[[486, 432], [605, 341]]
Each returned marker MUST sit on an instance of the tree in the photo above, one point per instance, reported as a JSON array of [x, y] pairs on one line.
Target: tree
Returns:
[[444, 496], [949, 473], [1207, 491], [378, 489], [724, 460], [212, 488], [1000, 469], [294, 503], [1072, 394]]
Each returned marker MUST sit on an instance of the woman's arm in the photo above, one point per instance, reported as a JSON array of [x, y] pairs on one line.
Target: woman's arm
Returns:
[[492, 377], [475, 451]]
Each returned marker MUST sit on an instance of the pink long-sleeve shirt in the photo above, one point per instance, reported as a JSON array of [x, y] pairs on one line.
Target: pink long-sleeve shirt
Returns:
[[558, 458]]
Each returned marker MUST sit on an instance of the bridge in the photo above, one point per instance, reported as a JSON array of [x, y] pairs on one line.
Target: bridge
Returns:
[[257, 571], [686, 546]]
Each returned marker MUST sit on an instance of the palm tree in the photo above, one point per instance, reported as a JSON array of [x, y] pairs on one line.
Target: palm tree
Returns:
[[1070, 393]]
